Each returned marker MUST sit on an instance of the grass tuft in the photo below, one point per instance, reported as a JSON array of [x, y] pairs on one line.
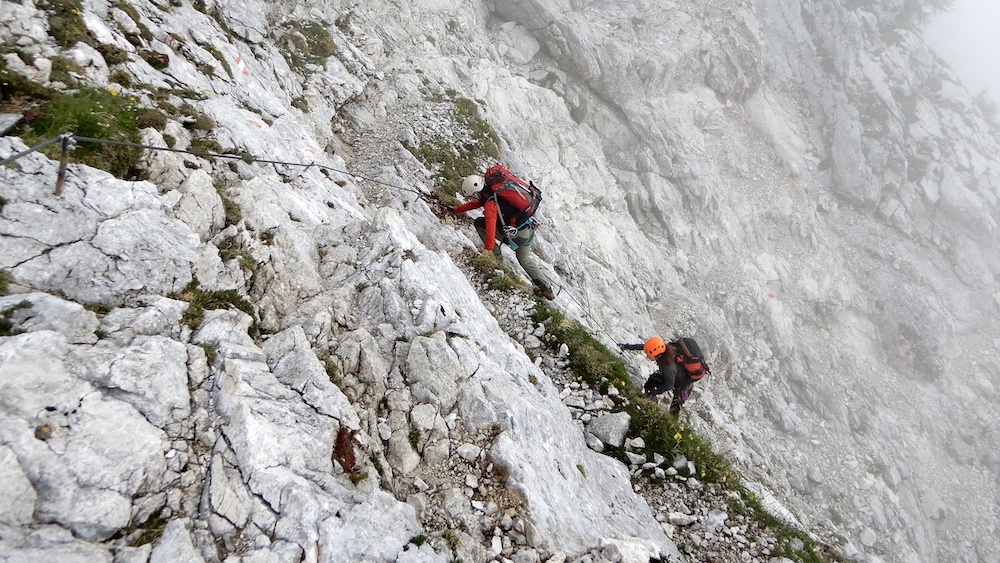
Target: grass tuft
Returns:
[[200, 300], [210, 352], [99, 309], [89, 112], [451, 538], [65, 18], [7, 327], [149, 531], [305, 44], [498, 275]]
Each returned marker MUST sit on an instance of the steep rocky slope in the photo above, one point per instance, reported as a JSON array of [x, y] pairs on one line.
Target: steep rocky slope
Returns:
[[800, 186]]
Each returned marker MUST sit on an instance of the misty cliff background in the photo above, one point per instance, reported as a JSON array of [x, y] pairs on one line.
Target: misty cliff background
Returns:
[[802, 186]]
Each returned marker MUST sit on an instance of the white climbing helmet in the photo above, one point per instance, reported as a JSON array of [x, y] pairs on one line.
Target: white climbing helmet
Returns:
[[472, 184]]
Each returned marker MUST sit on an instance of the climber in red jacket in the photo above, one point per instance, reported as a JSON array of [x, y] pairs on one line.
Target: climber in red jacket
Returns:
[[508, 206]]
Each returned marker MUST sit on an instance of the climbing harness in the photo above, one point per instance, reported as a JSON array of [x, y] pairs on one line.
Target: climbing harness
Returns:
[[511, 231]]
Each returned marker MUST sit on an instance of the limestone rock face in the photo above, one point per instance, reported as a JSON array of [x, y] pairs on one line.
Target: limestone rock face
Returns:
[[280, 352], [104, 240], [76, 447]]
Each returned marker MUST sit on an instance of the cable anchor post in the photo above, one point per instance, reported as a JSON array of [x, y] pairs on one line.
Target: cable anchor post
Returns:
[[68, 144], [306, 169]]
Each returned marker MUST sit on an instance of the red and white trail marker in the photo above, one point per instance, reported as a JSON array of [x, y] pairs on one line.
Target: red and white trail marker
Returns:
[[242, 66]]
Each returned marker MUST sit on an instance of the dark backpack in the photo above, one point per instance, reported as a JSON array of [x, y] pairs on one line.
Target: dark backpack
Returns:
[[689, 355], [523, 198]]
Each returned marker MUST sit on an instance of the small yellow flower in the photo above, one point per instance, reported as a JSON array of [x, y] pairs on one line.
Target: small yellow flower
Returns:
[[724, 478], [678, 436], [112, 91]]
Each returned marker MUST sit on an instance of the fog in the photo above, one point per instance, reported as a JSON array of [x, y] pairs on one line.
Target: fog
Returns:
[[966, 38]]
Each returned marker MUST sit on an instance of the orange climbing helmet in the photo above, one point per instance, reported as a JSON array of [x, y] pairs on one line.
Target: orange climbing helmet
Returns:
[[654, 347]]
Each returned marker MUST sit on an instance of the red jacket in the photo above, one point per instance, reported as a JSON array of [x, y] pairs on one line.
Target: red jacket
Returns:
[[489, 213], [495, 175]]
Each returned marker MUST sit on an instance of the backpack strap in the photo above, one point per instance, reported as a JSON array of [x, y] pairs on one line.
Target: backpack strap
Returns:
[[684, 348], [518, 214], [503, 220]]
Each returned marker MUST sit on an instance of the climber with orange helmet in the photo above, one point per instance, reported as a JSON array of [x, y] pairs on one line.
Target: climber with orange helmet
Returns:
[[679, 364]]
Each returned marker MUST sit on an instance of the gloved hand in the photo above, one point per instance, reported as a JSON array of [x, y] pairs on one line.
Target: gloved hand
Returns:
[[621, 346]]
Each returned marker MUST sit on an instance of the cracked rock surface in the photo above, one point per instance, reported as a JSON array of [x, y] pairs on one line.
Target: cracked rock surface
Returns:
[[292, 360]]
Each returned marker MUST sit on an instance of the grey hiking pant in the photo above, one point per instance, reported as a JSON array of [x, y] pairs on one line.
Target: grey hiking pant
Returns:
[[523, 251]]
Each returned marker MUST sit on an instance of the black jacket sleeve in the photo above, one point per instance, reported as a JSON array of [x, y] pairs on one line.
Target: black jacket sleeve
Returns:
[[630, 346], [663, 380], [654, 384]]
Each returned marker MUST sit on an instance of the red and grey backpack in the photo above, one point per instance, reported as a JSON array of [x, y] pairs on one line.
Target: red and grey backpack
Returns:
[[689, 355], [520, 199]]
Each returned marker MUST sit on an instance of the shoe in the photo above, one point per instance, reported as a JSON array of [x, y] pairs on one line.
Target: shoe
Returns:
[[546, 293], [675, 408]]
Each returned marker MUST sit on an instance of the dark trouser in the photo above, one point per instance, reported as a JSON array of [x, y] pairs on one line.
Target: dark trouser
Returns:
[[523, 251], [681, 394]]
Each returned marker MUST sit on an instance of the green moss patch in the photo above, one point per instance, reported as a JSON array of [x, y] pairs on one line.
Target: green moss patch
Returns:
[[306, 43], [89, 112]]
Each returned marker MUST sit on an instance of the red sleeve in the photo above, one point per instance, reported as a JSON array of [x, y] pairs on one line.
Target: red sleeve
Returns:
[[490, 214], [467, 206]]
